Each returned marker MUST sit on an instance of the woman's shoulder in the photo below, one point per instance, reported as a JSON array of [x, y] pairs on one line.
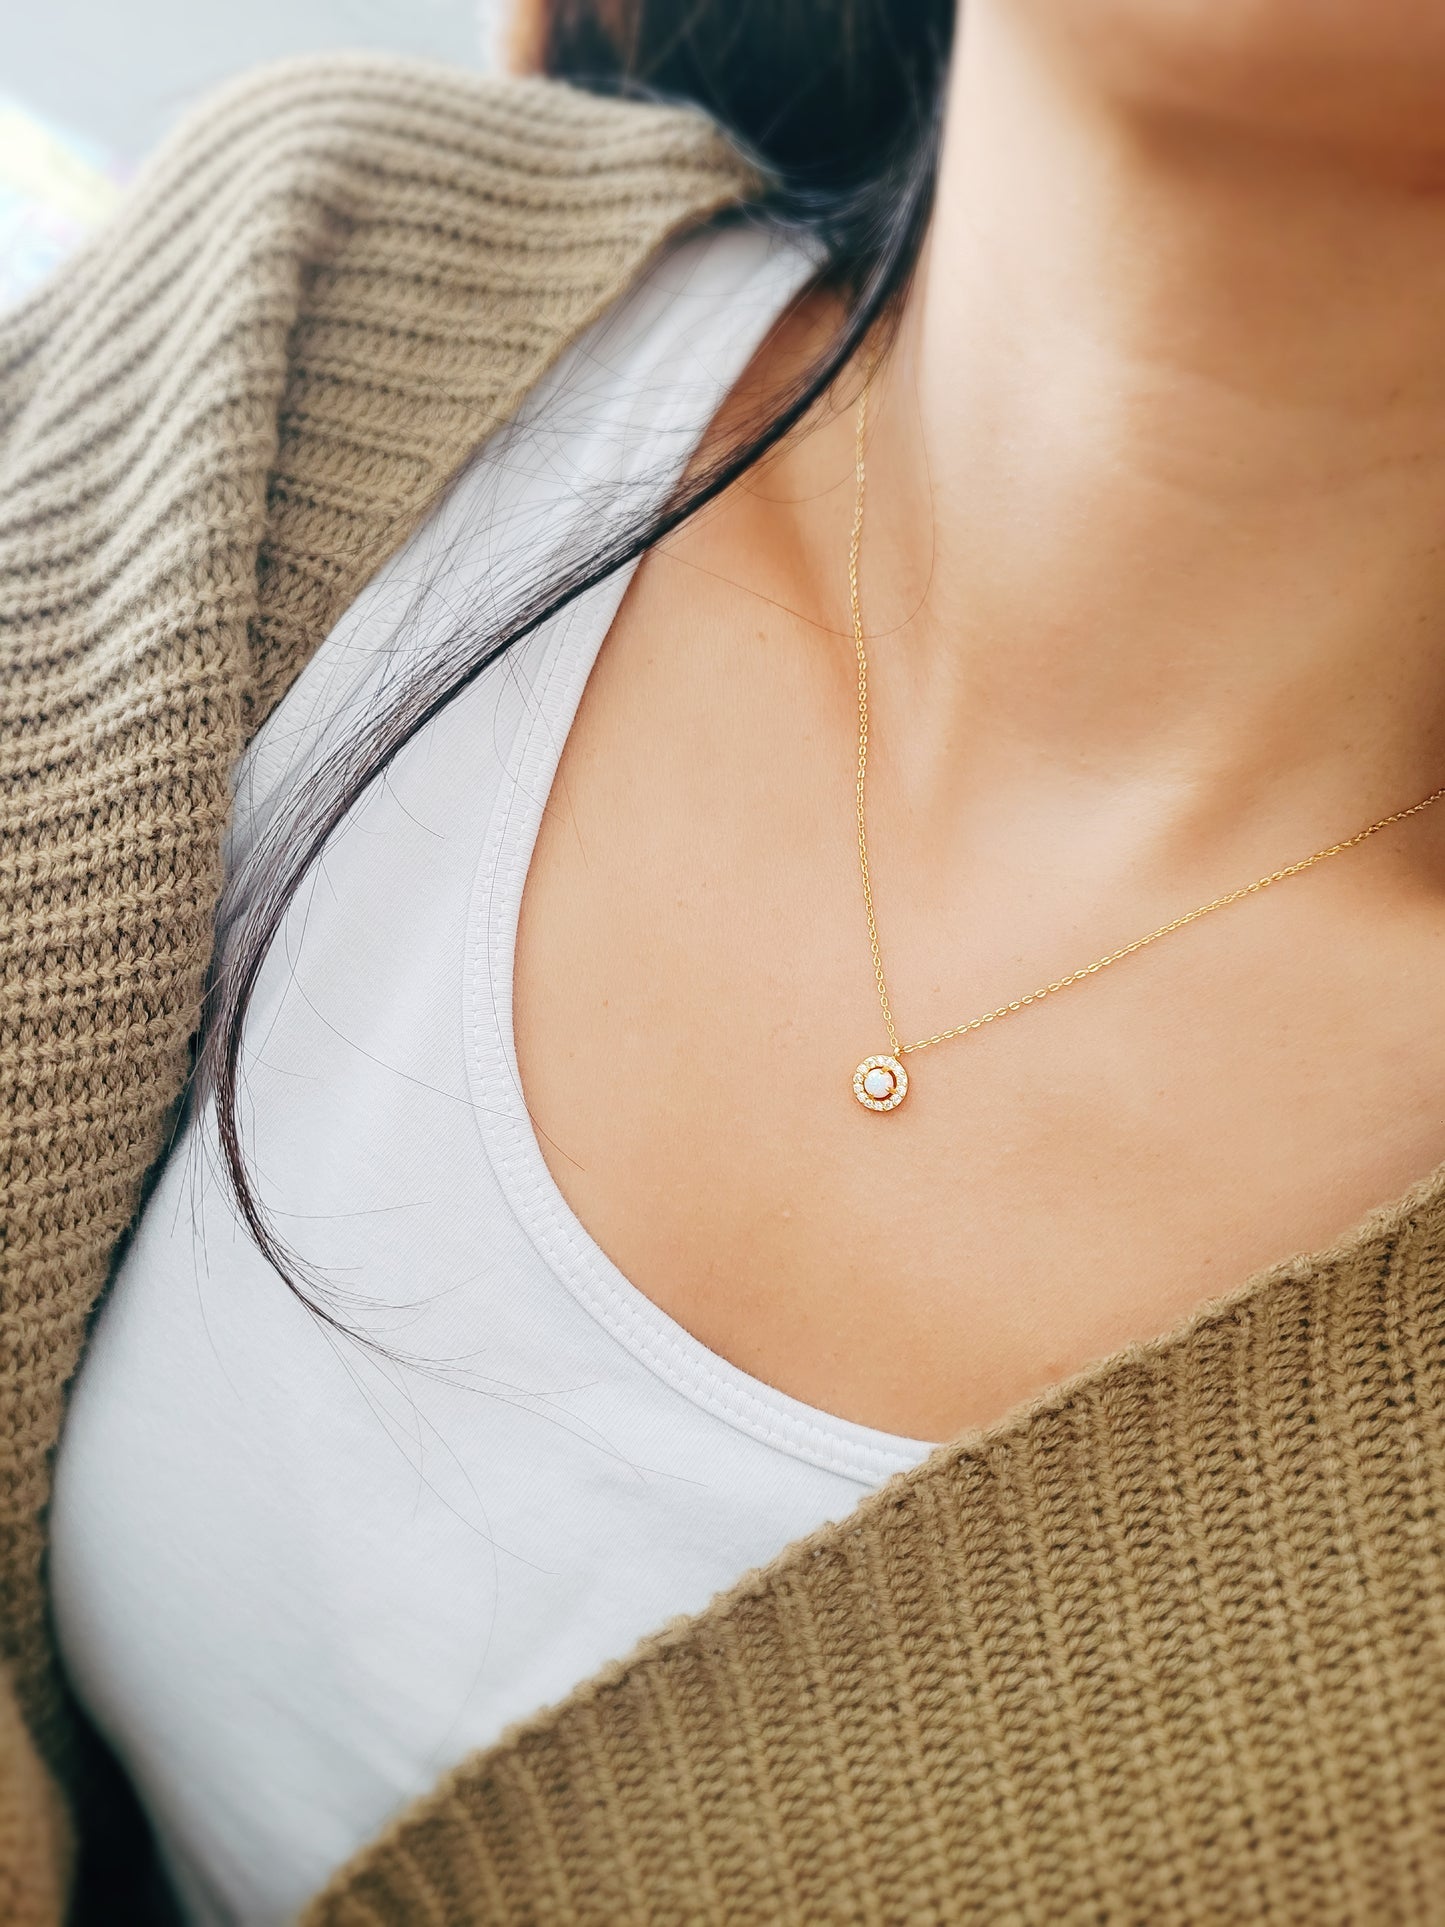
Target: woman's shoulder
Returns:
[[308, 151], [517, 144], [333, 278]]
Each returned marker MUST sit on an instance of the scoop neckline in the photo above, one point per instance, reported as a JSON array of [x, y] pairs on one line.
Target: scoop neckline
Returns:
[[706, 1379], [749, 1404], [568, 648]]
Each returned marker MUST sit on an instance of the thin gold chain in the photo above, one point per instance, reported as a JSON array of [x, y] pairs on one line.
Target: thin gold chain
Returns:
[[901, 1049]]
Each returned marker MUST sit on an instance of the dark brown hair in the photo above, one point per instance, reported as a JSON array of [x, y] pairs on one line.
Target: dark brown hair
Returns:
[[839, 104], [823, 90]]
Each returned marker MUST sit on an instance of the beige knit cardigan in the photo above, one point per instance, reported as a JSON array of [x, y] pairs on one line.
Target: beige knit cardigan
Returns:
[[1166, 1646]]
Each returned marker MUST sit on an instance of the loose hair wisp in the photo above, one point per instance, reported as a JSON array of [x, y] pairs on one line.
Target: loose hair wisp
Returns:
[[839, 104]]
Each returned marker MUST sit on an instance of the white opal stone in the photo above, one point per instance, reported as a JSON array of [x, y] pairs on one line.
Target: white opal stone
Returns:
[[879, 1082]]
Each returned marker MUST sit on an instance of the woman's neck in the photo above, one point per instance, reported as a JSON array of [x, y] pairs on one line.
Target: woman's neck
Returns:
[[1157, 467]]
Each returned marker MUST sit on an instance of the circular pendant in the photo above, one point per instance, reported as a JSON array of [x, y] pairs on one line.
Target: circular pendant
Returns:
[[880, 1083]]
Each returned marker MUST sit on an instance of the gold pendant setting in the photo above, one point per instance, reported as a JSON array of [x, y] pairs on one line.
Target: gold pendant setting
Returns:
[[880, 1083]]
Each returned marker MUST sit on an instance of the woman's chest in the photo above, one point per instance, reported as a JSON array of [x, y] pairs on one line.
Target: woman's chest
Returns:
[[340, 1536], [694, 988]]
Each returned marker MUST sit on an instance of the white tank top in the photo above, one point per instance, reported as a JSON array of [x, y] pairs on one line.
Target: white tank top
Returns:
[[296, 1580]]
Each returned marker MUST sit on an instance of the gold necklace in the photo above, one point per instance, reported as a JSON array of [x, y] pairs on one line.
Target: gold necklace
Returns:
[[881, 1083]]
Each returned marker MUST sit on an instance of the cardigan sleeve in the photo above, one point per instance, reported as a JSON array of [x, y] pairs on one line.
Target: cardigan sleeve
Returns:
[[35, 1835], [330, 283]]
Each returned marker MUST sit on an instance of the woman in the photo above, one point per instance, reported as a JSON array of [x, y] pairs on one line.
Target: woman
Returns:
[[893, 690]]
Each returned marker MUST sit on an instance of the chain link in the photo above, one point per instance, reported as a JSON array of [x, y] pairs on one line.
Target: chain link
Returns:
[[900, 1049], [855, 549]]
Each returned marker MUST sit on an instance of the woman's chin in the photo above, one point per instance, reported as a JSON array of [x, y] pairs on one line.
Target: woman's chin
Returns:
[[1360, 75]]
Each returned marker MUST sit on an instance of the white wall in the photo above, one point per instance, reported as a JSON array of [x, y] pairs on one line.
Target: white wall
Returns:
[[119, 71]]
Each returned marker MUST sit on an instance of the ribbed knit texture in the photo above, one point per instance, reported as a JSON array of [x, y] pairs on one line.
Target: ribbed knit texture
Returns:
[[329, 286], [1167, 1647]]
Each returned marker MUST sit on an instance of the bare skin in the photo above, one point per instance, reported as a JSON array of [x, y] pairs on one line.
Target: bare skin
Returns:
[[1155, 583]]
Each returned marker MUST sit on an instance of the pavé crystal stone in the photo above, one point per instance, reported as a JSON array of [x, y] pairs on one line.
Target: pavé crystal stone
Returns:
[[880, 1083]]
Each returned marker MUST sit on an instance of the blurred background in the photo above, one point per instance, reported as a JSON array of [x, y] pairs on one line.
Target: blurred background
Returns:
[[88, 89]]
